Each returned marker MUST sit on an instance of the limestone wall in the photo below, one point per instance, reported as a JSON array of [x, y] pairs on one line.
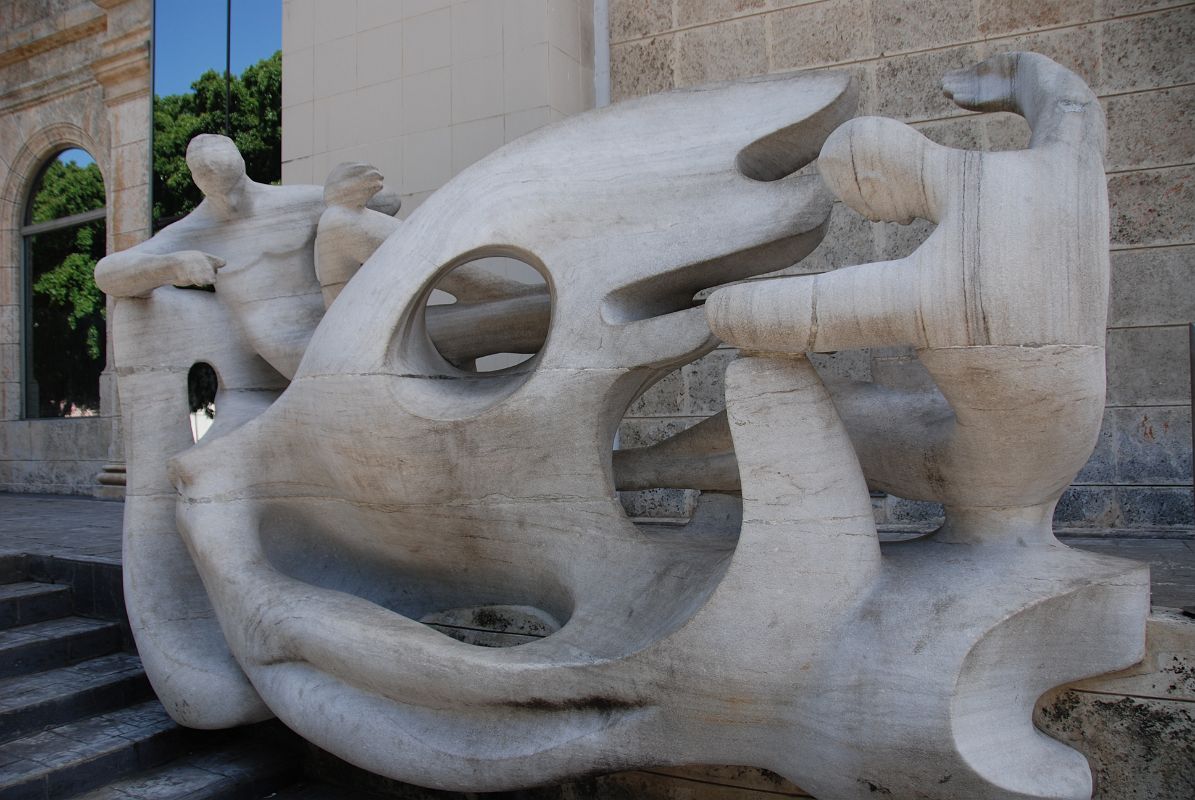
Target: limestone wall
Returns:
[[423, 88], [1136, 54], [72, 74]]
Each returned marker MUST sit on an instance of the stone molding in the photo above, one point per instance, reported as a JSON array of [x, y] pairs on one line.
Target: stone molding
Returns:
[[49, 34]]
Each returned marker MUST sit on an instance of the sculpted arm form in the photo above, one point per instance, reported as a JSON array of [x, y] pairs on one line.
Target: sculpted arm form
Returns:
[[138, 271], [350, 230], [1059, 106], [1005, 302], [345, 240], [987, 272]]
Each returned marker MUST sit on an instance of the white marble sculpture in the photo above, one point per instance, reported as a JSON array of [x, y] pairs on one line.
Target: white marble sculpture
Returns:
[[323, 529]]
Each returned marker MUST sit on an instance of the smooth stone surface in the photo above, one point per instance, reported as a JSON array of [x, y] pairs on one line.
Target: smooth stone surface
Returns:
[[365, 499]]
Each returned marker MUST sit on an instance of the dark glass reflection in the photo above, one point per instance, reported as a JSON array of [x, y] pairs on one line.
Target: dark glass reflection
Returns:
[[194, 43], [64, 310]]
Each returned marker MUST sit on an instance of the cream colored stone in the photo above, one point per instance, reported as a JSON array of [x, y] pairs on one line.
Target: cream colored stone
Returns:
[[816, 34], [525, 78], [387, 490], [427, 159], [473, 140], [335, 67], [298, 22], [379, 54], [635, 19], [298, 76], [1006, 303], [381, 113], [476, 30], [564, 26], [477, 89], [734, 49], [427, 41], [333, 20], [564, 83], [376, 13], [520, 123], [524, 23], [343, 114], [620, 336], [299, 141], [296, 171], [427, 100]]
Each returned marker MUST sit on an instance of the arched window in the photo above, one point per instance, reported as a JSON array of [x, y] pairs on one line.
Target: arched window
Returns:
[[64, 236]]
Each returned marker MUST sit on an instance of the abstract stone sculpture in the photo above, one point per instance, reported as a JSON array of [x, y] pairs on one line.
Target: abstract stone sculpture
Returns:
[[389, 487]]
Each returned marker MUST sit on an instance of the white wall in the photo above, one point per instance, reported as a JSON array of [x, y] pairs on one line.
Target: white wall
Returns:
[[423, 88]]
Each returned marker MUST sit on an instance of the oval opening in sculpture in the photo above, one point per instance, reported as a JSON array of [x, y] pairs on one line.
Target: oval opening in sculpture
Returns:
[[493, 625], [202, 385], [365, 552], [489, 314]]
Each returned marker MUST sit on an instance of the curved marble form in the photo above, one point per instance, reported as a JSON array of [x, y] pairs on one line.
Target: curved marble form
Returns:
[[1005, 302], [388, 489]]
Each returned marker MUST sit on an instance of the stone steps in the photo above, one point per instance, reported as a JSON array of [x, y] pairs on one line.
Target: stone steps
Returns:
[[236, 770], [55, 643], [321, 791], [78, 716], [28, 602], [68, 759], [29, 703]]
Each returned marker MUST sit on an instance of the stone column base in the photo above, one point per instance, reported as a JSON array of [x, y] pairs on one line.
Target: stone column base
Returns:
[[111, 482]]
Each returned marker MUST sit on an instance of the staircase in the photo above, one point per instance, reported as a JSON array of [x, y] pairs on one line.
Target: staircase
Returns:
[[78, 718]]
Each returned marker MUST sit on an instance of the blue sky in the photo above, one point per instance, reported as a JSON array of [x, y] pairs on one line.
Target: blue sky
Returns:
[[76, 156], [189, 38]]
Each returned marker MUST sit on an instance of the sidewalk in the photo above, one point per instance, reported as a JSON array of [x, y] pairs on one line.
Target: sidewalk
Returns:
[[88, 529], [57, 525]]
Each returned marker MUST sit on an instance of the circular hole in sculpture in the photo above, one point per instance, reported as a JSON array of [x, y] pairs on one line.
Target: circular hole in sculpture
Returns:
[[675, 470], [202, 385], [489, 314], [493, 625]]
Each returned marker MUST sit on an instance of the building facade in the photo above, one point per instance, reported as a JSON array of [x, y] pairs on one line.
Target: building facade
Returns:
[[422, 88], [425, 87], [74, 75]]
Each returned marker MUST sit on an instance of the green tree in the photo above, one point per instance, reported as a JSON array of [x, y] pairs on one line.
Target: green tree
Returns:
[[67, 311], [256, 119], [65, 189]]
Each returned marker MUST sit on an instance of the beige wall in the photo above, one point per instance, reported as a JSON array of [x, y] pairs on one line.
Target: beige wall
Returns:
[[72, 74], [423, 88], [1140, 59], [1138, 55]]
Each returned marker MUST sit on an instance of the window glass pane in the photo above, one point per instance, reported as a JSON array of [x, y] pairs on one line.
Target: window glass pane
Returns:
[[189, 47], [64, 322], [257, 86], [70, 184], [191, 95]]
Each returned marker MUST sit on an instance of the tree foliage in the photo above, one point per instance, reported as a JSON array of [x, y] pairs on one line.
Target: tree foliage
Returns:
[[65, 261], [65, 189], [256, 127], [67, 312]]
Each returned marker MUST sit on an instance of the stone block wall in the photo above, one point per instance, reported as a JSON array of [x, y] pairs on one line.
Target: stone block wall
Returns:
[[423, 88], [73, 73], [1139, 57]]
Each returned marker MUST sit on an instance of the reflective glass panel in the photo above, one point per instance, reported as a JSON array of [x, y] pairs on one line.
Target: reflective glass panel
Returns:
[[64, 311], [193, 43]]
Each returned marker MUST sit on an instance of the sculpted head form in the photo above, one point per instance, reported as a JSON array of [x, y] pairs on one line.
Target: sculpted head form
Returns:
[[216, 165]]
